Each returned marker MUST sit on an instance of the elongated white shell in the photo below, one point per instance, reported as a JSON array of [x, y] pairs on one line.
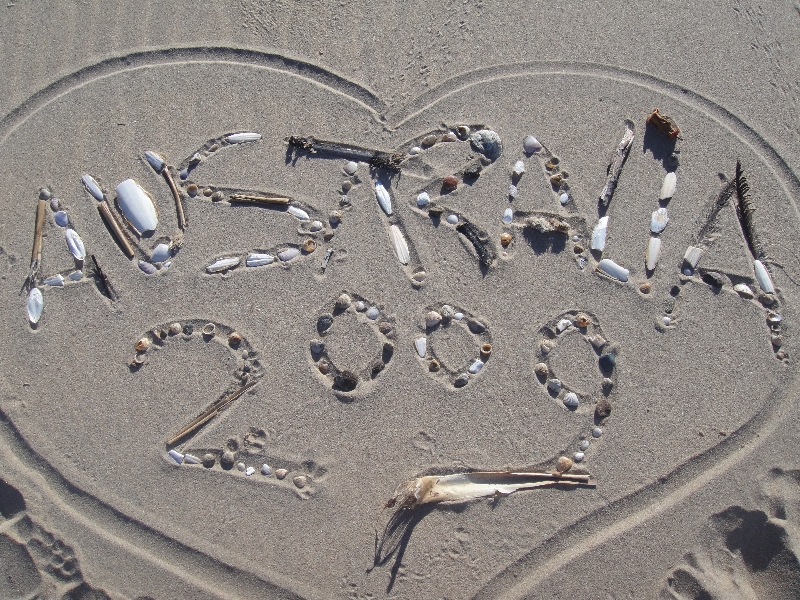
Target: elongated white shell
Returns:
[[160, 253], [176, 456], [137, 206], [191, 459], [55, 281], [399, 244], [476, 366], [92, 187], [75, 244], [763, 278], [692, 255], [531, 144], [238, 138], [299, 213], [35, 305], [223, 264], [384, 199], [421, 346], [288, 254], [259, 260], [668, 187], [61, 218], [519, 168], [155, 160], [743, 290], [653, 253], [659, 220], [508, 215], [612, 269], [599, 234], [76, 275]]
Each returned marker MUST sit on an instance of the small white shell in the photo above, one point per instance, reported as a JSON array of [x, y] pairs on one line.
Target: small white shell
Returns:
[[62, 219], [512, 191], [160, 253], [531, 145], [298, 212], [653, 253], [432, 319], [147, 267], [597, 341], [584, 445], [668, 187], [563, 324], [399, 244], [176, 456], [76, 275], [612, 269], [597, 432], [75, 244], [249, 471], [351, 168], [239, 138], [579, 456], [458, 316], [266, 470], [92, 187], [599, 234], [240, 466], [155, 160], [223, 264], [35, 305], [519, 168], [763, 278], [259, 260], [423, 199], [384, 199], [563, 198], [659, 220], [137, 206], [452, 219], [692, 256], [571, 400], [55, 281], [421, 346], [554, 385], [288, 254], [373, 313], [316, 225], [476, 366], [415, 150], [743, 290], [508, 215], [191, 459]]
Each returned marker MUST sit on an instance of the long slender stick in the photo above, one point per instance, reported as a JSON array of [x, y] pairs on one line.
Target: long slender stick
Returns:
[[268, 200], [36, 253], [208, 414], [176, 196], [115, 227], [615, 168]]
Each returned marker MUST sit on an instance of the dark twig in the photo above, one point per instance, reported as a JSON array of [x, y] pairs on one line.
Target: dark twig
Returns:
[[109, 289]]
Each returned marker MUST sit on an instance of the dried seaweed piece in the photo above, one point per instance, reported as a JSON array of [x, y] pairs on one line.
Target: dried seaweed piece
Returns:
[[208, 414], [109, 289], [664, 124], [479, 241], [375, 158], [745, 210], [615, 168]]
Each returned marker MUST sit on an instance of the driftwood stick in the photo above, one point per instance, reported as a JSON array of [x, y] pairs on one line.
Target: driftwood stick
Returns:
[[615, 168], [176, 196], [208, 414], [115, 227]]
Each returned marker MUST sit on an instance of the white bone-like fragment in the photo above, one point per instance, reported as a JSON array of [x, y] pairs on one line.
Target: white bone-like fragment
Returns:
[[653, 253], [659, 220], [288, 254], [191, 459], [421, 346], [155, 160], [399, 244], [299, 213], [259, 260], [668, 187], [239, 138], [423, 199], [612, 269], [763, 278], [137, 206], [223, 264], [176, 456], [55, 281], [476, 366], [384, 199], [35, 305], [92, 187], [692, 255], [599, 234], [75, 244]]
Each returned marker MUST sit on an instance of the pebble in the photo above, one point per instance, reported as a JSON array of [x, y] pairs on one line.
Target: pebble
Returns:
[[234, 339], [343, 301], [188, 329], [554, 385], [423, 199], [323, 367], [473, 171], [316, 225], [386, 328], [607, 362], [519, 168], [563, 198], [208, 192], [571, 400], [461, 380], [563, 464], [432, 319], [373, 313], [415, 150], [265, 470], [324, 323], [688, 272], [603, 408], [777, 341], [579, 456], [192, 189], [44, 194], [217, 196], [607, 383], [531, 145], [645, 287], [452, 219], [458, 316], [597, 432], [281, 473], [429, 140], [434, 366], [249, 471], [346, 187], [55, 204], [317, 346], [541, 369], [546, 347], [240, 466], [300, 481], [450, 182], [667, 321], [227, 460], [351, 168], [584, 445], [184, 174]]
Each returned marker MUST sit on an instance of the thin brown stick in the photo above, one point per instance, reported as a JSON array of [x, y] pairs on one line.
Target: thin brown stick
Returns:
[[36, 253], [176, 196], [269, 200], [208, 414], [116, 228]]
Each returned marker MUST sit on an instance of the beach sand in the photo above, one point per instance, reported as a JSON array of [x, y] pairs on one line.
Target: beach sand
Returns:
[[696, 481]]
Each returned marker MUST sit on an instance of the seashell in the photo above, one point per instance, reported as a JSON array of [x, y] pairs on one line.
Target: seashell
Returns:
[[607, 362], [316, 225], [175, 329], [419, 276], [584, 445], [774, 319], [351, 167], [462, 131], [208, 192], [176, 456], [155, 160], [546, 347], [298, 212], [421, 346], [217, 196], [373, 313], [240, 466], [240, 138], [335, 217], [55, 204], [458, 316], [434, 366], [61, 218], [447, 312], [432, 319], [531, 145], [486, 350], [249, 471], [449, 137], [743, 290], [519, 168], [259, 260], [223, 264], [563, 464], [541, 369], [512, 191], [137, 206], [667, 321], [143, 344], [450, 182], [777, 341], [399, 244], [76, 276], [323, 367], [44, 194], [55, 281], [386, 329], [423, 199], [653, 253], [384, 199], [288, 254], [556, 180], [191, 459], [599, 234], [452, 219], [508, 215], [343, 302], [597, 432], [234, 339], [192, 189], [668, 187], [692, 256], [461, 380], [317, 347], [488, 143], [612, 269], [571, 400], [35, 305], [300, 481], [309, 246], [75, 244], [578, 457], [415, 150], [563, 324], [209, 329], [688, 272], [361, 306], [281, 473], [147, 267], [659, 220], [763, 278], [582, 321], [265, 470], [602, 409], [188, 329], [227, 459], [597, 341], [564, 198], [476, 366], [554, 385], [429, 140], [505, 239], [183, 174], [476, 326], [160, 253], [92, 187]]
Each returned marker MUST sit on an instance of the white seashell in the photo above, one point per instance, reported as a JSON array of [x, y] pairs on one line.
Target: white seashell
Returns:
[[763, 278], [415, 150], [54, 281], [191, 459], [147, 267], [76, 275], [688, 272], [265, 470], [62, 219], [250, 471], [531, 145], [432, 319], [160, 253], [554, 385], [75, 244], [137, 206], [223, 264], [384, 199], [512, 191], [692, 256], [597, 341], [668, 187], [35, 305], [612, 269], [653, 253], [584, 445], [155, 160], [360, 306], [458, 316], [239, 138], [597, 432], [563, 324], [476, 366], [452, 219], [579, 456], [599, 234], [667, 321], [399, 244], [519, 168], [351, 168], [316, 225], [298, 212], [167, 264], [373, 313], [176, 456], [240, 466], [508, 215], [659, 220], [571, 400], [288, 254], [423, 199], [259, 260], [743, 290], [92, 187], [421, 345], [563, 198]]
